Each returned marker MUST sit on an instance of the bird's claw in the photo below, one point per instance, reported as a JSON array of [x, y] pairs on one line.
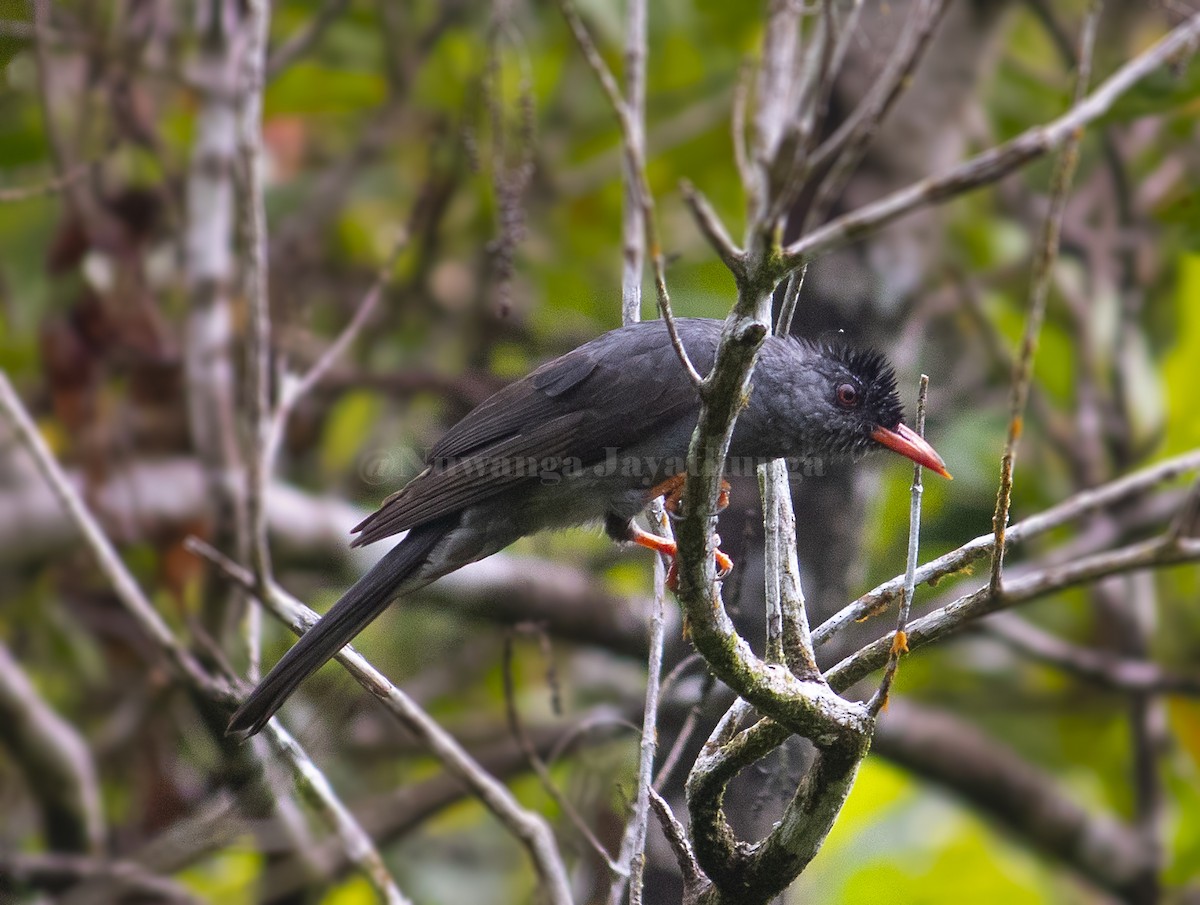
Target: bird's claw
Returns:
[[720, 557]]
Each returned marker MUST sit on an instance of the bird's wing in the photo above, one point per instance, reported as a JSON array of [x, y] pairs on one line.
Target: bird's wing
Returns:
[[607, 394]]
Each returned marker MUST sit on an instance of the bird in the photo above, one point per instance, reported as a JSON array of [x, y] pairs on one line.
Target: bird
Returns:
[[594, 436]]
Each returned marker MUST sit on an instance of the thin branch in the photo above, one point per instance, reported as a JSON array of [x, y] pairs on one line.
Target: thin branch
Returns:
[[677, 838], [355, 842], [969, 608], [293, 389], [1108, 670], [56, 764], [209, 271], [711, 226], [1043, 271], [258, 348], [517, 728], [122, 581], [57, 872], [900, 638], [50, 187], [961, 559], [530, 829], [633, 227], [185, 666], [791, 299], [690, 723], [788, 639], [305, 38], [737, 123], [648, 743], [637, 167], [844, 149], [995, 164]]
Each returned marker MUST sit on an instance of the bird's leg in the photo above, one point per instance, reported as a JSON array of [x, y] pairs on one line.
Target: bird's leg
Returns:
[[620, 529]]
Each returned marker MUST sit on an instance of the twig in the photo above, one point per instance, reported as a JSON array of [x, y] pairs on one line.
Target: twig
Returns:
[[677, 838], [900, 638], [517, 728], [1043, 268], [690, 723], [208, 264], [58, 768], [633, 227], [58, 872], [1107, 670], [648, 743], [305, 38], [353, 838], [293, 389], [50, 187], [838, 155], [712, 228], [995, 164], [258, 347], [942, 622], [185, 666], [123, 583], [958, 560], [791, 299], [530, 829], [788, 640], [637, 167]]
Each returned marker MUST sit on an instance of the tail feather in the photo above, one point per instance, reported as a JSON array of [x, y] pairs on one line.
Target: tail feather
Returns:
[[369, 597]]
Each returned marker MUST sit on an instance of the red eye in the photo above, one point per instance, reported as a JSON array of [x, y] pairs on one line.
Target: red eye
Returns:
[[847, 395]]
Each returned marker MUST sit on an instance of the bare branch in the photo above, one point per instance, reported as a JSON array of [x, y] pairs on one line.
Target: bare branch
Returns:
[[58, 768], [899, 639], [293, 389], [791, 298], [995, 164], [57, 872], [534, 759], [1043, 269], [677, 837], [49, 187], [788, 639], [959, 560], [712, 227], [971, 607], [633, 227], [123, 583], [530, 829], [184, 664], [635, 155], [1102, 668], [305, 38], [354, 840], [258, 348], [844, 149]]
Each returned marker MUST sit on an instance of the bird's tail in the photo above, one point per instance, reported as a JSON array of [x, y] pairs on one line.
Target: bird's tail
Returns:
[[369, 597]]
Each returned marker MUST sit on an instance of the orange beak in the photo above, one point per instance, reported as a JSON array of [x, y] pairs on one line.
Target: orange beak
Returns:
[[911, 445]]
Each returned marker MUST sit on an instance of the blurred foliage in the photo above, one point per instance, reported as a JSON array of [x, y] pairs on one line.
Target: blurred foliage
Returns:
[[385, 122]]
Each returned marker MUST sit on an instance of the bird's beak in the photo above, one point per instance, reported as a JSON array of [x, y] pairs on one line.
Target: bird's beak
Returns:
[[911, 445]]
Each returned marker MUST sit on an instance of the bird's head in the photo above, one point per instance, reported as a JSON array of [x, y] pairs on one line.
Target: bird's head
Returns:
[[859, 409]]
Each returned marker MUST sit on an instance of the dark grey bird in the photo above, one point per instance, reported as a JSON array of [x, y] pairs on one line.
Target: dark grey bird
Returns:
[[594, 436]]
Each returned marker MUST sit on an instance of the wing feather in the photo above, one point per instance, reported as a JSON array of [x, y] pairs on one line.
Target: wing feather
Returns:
[[564, 409]]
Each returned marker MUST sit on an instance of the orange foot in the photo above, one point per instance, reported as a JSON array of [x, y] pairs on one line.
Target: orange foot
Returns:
[[672, 492], [667, 548]]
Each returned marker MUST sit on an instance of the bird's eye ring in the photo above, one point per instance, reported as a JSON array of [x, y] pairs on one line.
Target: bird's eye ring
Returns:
[[847, 395]]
